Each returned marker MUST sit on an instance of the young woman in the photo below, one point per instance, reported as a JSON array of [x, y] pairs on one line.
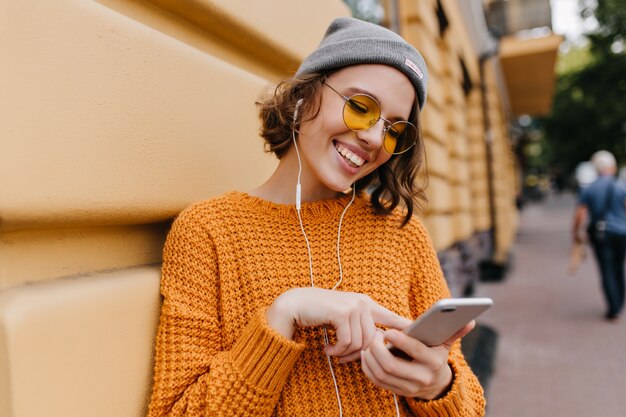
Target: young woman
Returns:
[[280, 301]]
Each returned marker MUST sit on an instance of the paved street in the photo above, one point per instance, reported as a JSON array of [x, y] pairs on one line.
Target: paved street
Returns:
[[556, 355]]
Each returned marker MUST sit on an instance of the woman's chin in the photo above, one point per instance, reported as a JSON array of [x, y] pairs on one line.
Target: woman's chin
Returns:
[[341, 188]]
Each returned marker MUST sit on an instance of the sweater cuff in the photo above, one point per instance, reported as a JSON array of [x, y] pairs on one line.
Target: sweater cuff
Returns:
[[451, 404], [263, 356]]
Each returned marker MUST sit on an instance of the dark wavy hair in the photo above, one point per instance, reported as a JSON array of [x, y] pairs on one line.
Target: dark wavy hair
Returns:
[[391, 184]]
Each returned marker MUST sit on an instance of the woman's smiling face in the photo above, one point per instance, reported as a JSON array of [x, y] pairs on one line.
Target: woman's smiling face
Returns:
[[333, 156]]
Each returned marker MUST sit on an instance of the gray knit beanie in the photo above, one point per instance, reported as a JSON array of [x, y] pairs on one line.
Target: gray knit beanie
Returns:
[[350, 41]]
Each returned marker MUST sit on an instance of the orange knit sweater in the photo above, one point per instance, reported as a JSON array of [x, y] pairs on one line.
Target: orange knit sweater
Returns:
[[227, 259]]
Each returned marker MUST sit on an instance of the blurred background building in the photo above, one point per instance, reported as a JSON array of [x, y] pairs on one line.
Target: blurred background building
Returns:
[[508, 17], [116, 114]]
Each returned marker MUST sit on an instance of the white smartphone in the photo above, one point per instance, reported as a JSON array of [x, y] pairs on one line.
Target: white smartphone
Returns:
[[443, 320]]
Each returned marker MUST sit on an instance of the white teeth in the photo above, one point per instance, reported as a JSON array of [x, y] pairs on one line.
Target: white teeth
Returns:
[[355, 159]]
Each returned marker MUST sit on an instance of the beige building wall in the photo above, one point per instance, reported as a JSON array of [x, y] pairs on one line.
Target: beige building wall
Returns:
[[454, 132], [504, 167], [458, 144], [419, 26], [116, 114], [479, 185]]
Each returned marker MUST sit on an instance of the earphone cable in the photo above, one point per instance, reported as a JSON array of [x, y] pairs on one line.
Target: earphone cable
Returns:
[[332, 373], [310, 256], [308, 248], [395, 401], [298, 206], [339, 237]]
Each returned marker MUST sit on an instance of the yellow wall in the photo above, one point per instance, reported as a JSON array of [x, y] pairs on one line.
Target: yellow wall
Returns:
[[117, 114], [112, 125], [454, 133], [504, 169]]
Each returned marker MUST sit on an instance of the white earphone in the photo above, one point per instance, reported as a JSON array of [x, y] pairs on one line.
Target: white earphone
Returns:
[[308, 246], [293, 135]]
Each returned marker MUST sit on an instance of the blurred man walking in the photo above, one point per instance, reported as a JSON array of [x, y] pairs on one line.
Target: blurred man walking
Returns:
[[603, 203]]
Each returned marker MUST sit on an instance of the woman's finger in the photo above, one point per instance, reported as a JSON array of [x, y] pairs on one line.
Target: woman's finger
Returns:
[[371, 375], [460, 334], [356, 334], [349, 358], [368, 328], [383, 368], [388, 318], [409, 345], [343, 332], [350, 337]]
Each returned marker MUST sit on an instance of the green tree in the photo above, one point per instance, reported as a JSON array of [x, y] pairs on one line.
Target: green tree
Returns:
[[589, 109], [610, 13]]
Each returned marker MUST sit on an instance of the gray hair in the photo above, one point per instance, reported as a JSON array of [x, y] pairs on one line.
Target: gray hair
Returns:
[[604, 161]]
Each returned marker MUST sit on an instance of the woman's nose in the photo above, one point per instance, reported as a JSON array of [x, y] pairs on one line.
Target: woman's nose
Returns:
[[373, 136]]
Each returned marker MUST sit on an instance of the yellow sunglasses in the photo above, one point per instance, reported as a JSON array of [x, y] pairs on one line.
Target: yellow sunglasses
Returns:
[[362, 111]]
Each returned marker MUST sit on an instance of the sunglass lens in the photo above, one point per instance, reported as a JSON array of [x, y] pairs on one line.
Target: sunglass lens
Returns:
[[400, 137], [360, 112]]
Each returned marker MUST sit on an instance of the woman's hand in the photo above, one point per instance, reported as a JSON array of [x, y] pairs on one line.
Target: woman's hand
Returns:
[[353, 316], [427, 376]]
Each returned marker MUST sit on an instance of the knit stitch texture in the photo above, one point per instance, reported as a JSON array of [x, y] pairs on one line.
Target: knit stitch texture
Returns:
[[227, 259]]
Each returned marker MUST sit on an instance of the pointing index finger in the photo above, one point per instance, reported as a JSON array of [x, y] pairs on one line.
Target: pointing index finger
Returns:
[[388, 318]]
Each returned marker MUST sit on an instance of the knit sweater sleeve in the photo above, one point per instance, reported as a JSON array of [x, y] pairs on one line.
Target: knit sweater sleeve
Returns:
[[465, 397], [194, 374]]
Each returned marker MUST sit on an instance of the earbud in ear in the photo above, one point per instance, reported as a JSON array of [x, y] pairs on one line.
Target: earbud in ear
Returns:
[[293, 135], [295, 112]]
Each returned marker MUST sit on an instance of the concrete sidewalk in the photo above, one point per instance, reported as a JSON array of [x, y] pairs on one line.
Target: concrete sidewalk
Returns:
[[556, 355]]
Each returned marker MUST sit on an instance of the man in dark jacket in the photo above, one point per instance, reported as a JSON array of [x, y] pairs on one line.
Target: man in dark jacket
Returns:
[[603, 203]]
